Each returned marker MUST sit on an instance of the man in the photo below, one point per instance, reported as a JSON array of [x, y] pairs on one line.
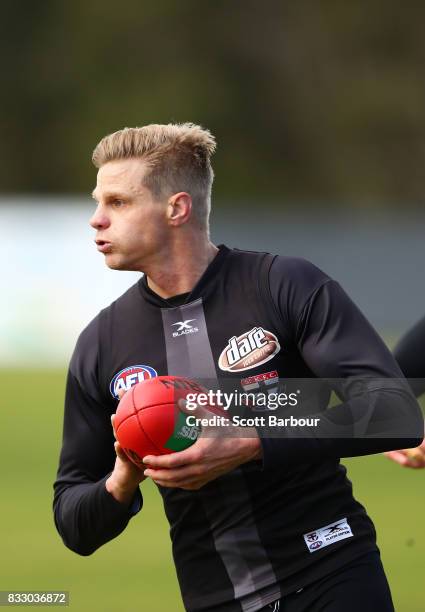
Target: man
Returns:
[[257, 521], [409, 353]]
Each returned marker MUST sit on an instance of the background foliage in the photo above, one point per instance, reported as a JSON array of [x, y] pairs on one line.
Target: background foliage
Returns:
[[312, 101]]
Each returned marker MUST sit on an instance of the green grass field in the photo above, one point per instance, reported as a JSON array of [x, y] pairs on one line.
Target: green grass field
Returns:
[[135, 572]]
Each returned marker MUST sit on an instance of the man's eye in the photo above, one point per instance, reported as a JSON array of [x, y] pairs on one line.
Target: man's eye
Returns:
[[118, 203]]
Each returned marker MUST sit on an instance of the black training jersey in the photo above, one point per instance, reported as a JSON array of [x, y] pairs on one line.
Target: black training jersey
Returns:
[[271, 526], [410, 355]]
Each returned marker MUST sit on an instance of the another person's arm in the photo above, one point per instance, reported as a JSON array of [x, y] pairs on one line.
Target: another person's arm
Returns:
[[410, 355]]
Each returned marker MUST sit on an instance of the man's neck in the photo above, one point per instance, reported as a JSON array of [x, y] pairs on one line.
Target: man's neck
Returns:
[[182, 271]]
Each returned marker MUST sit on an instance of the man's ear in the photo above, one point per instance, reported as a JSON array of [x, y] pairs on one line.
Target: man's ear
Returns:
[[179, 208]]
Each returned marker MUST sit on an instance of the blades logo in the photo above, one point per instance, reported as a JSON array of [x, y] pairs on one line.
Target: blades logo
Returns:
[[335, 529], [184, 328], [130, 376], [249, 350]]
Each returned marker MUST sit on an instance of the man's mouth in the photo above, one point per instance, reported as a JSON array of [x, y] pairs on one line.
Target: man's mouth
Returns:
[[103, 246]]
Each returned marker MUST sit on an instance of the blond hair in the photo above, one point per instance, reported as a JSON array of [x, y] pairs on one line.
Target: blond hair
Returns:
[[177, 157]]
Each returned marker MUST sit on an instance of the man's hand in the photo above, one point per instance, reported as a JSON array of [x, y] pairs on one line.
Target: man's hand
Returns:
[[211, 456], [126, 476], [410, 457]]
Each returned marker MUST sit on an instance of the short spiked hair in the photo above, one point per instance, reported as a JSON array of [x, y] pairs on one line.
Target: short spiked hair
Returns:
[[177, 157]]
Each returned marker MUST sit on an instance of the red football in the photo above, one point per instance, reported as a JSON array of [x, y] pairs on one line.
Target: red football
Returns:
[[148, 420]]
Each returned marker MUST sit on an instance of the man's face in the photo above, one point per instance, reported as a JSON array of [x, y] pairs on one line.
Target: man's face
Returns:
[[131, 226]]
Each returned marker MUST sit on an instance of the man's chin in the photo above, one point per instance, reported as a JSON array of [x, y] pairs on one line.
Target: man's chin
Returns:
[[116, 263]]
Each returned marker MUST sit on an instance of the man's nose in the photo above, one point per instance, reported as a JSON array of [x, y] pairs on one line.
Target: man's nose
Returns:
[[99, 220]]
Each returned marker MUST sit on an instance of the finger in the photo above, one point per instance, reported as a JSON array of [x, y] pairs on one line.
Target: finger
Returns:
[[415, 465], [398, 457], [112, 423], [173, 460], [121, 392], [195, 482], [176, 475], [120, 452], [416, 457], [186, 485]]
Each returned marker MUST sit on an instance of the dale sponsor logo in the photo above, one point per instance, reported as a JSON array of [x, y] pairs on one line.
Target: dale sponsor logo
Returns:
[[340, 530], [249, 350], [130, 376]]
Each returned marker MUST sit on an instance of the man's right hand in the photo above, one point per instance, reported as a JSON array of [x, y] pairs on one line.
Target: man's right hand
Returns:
[[126, 476]]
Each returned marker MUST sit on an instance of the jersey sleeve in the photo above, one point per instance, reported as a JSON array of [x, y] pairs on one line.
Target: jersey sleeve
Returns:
[[377, 412], [86, 514], [410, 355]]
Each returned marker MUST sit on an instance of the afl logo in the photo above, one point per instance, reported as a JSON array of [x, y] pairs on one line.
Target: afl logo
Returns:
[[130, 376], [251, 349], [315, 545]]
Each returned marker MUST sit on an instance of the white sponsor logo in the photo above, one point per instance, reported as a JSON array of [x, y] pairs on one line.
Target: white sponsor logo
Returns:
[[340, 530], [184, 327], [249, 350]]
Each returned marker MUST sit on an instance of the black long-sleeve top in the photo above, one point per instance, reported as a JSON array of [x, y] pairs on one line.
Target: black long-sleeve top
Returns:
[[258, 531]]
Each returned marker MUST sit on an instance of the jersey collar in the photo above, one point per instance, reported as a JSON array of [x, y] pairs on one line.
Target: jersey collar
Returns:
[[198, 290]]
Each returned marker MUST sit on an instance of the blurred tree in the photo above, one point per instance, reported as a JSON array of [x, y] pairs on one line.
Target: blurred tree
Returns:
[[308, 100]]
